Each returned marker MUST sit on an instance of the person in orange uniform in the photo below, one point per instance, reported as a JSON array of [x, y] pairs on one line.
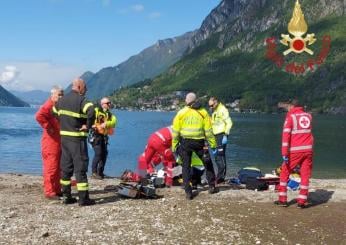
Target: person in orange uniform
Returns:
[[297, 150], [50, 145]]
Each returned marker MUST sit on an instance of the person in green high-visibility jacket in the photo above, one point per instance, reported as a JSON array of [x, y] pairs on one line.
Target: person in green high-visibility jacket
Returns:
[[221, 123], [76, 116], [105, 122], [191, 128], [197, 169]]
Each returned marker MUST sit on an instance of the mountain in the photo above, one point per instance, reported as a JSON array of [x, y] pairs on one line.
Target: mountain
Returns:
[[8, 99], [227, 58], [34, 97], [147, 64]]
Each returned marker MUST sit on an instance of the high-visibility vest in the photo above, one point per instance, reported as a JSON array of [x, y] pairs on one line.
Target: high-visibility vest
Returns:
[[107, 117], [195, 161], [192, 123], [297, 132], [220, 120]]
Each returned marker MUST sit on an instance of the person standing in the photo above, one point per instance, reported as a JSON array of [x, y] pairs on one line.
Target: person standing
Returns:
[[297, 150], [104, 125], [157, 150], [50, 145], [191, 127], [76, 117], [221, 124]]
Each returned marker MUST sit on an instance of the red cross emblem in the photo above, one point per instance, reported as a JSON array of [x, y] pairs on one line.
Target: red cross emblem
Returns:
[[304, 122]]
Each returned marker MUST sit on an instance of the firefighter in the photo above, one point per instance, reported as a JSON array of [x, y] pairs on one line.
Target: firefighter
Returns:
[[157, 150], [191, 127], [221, 124], [50, 145], [76, 117], [297, 150], [104, 125]]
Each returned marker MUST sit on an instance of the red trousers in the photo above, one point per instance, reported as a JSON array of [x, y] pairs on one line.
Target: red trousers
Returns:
[[304, 159], [155, 153], [51, 173]]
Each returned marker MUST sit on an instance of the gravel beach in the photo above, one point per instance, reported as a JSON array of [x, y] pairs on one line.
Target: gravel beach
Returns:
[[232, 216]]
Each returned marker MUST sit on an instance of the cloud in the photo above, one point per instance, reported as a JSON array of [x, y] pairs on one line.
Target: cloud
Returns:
[[9, 75], [26, 76], [137, 8], [154, 15]]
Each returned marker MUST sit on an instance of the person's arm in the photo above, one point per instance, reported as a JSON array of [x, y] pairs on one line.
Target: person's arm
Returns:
[[112, 122], [208, 131], [228, 121], [176, 132], [286, 136], [44, 117], [88, 109]]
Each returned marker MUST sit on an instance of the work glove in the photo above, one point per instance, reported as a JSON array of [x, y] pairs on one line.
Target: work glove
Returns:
[[214, 151], [285, 159], [224, 140]]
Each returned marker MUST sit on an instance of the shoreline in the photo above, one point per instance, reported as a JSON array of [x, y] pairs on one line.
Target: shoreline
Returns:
[[232, 216]]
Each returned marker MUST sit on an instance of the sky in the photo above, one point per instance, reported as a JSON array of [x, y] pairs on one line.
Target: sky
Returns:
[[48, 42]]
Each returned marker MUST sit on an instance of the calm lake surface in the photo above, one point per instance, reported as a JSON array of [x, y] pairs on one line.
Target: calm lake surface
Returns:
[[255, 140]]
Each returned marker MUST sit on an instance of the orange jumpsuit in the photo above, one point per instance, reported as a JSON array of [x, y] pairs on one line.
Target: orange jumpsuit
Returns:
[[51, 149]]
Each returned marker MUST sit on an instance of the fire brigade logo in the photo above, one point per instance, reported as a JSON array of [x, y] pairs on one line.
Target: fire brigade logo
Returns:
[[298, 42], [298, 27], [304, 122]]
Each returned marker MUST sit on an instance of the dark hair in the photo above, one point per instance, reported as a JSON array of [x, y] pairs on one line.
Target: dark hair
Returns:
[[213, 98], [294, 102]]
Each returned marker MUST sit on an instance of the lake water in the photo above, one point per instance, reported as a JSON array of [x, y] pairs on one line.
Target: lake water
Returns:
[[255, 140]]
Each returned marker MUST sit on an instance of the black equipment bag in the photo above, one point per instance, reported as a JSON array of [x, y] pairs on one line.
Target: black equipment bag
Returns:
[[253, 183]]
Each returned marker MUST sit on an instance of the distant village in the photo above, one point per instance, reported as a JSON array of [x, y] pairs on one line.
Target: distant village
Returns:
[[171, 102]]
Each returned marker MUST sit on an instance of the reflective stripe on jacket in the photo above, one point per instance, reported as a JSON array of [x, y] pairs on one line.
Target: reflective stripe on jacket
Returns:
[[74, 111], [220, 120], [296, 133], [165, 136], [192, 124]]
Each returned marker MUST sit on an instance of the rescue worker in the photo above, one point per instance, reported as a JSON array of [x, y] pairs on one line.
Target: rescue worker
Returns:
[[157, 150], [50, 145], [104, 125], [191, 127], [197, 169], [221, 123], [297, 150], [76, 117]]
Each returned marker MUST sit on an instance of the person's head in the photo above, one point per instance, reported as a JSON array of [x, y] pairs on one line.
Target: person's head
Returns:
[[79, 86], [292, 103], [190, 98], [56, 93], [213, 102], [106, 103]]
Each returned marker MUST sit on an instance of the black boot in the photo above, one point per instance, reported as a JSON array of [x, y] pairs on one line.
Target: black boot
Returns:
[[66, 195], [189, 195], [84, 199]]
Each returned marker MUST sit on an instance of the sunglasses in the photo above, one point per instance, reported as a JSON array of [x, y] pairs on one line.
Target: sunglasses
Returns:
[[108, 103]]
